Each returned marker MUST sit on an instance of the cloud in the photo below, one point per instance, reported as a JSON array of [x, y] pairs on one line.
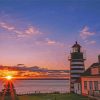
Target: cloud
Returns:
[[49, 42], [32, 30], [45, 41], [90, 42], [85, 33], [34, 72], [29, 31], [6, 26], [53, 42]]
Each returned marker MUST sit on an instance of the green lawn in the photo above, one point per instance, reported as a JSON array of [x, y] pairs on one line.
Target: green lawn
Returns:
[[53, 97]]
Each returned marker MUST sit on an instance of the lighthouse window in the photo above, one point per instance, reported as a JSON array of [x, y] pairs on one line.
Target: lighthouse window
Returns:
[[85, 84], [75, 49]]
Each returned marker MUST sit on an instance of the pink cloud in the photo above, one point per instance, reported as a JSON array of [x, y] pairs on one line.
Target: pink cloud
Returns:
[[90, 42], [6, 26], [32, 30], [85, 33], [50, 42], [26, 32], [46, 41]]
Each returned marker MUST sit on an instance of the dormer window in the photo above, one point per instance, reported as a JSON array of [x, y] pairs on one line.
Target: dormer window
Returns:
[[95, 71]]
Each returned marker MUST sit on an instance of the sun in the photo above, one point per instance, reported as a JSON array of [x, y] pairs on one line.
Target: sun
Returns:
[[9, 77]]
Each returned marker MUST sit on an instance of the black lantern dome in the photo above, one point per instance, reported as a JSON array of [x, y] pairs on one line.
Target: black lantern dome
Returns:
[[76, 47]]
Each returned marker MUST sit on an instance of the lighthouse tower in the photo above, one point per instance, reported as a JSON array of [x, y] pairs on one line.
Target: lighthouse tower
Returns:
[[76, 64]]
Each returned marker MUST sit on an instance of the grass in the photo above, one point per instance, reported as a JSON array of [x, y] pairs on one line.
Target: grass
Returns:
[[52, 97]]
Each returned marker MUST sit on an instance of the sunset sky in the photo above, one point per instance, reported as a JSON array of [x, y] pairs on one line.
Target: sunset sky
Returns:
[[41, 32]]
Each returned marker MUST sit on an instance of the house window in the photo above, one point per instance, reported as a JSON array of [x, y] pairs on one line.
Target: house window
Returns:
[[85, 84], [78, 86], [90, 85], [99, 70], [96, 85]]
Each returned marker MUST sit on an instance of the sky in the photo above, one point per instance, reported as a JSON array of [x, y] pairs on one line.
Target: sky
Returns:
[[42, 32]]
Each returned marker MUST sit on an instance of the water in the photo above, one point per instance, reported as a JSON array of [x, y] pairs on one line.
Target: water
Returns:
[[40, 86]]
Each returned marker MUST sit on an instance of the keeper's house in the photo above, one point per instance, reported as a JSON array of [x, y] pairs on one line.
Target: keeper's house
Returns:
[[89, 82]]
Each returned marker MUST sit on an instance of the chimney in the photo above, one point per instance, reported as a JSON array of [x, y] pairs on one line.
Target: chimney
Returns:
[[99, 58]]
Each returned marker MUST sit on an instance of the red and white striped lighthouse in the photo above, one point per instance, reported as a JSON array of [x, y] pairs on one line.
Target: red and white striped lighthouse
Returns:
[[76, 64]]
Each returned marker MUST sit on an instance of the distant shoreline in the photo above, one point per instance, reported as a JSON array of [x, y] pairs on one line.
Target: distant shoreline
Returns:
[[38, 79], [41, 79]]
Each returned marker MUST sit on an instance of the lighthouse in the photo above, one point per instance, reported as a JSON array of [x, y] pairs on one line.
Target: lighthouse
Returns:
[[76, 64]]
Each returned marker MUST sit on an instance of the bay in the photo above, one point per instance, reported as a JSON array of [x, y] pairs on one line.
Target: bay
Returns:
[[39, 86]]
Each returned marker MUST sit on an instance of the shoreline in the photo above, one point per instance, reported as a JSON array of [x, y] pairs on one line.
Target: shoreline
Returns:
[[41, 79], [38, 78]]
